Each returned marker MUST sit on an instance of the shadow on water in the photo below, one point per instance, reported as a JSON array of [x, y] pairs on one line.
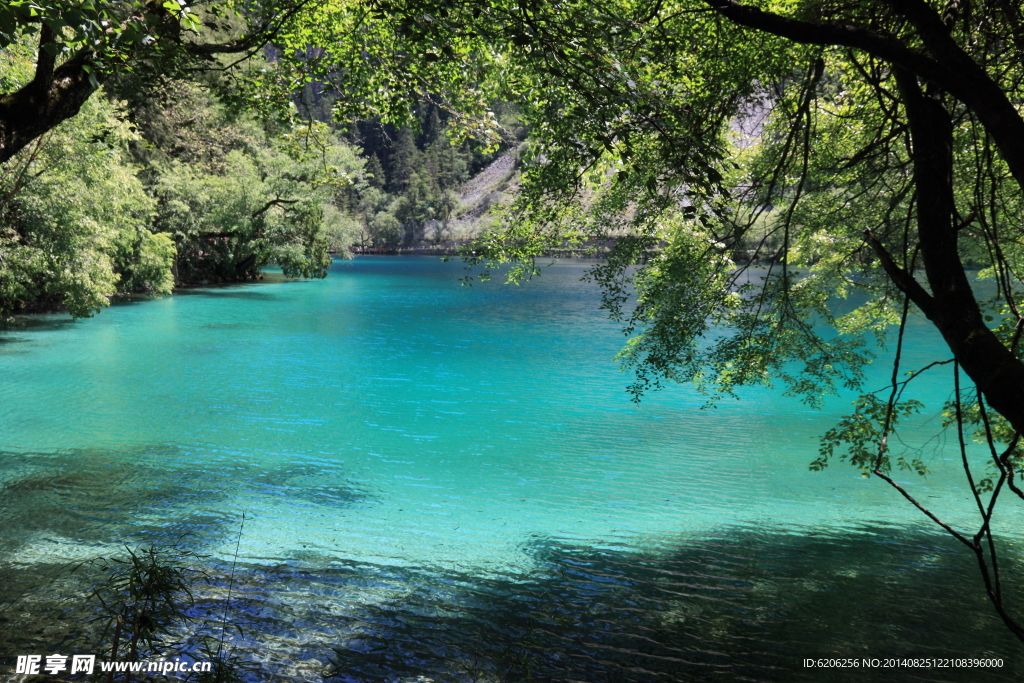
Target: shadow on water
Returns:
[[60, 509], [225, 326], [236, 290], [54, 502], [148, 495], [748, 605], [745, 606], [33, 323]]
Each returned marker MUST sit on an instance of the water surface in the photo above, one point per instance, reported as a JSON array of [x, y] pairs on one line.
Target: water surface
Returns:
[[452, 482]]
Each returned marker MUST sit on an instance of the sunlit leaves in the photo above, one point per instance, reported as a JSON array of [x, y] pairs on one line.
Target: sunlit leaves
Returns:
[[860, 437], [258, 200], [75, 219], [383, 61], [103, 26]]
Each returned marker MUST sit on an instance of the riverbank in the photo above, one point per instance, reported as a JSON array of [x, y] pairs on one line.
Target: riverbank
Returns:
[[590, 249]]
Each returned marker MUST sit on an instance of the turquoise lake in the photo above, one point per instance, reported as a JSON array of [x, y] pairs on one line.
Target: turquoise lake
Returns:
[[452, 483]]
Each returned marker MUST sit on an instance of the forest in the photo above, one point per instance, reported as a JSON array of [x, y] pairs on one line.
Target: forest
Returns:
[[167, 184], [869, 151]]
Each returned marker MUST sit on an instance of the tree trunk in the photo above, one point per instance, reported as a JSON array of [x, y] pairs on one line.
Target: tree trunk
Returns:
[[952, 307], [50, 98]]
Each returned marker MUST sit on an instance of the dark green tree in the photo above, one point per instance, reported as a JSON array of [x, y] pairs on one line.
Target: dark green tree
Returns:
[[375, 172]]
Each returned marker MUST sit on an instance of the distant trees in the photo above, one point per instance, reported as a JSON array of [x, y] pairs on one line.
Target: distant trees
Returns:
[[237, 194], [414, 172]]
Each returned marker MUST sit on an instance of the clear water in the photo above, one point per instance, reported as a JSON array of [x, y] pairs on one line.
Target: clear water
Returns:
[[451, 482]]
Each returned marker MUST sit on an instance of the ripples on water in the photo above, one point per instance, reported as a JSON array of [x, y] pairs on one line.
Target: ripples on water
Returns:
[[745, 605], [451, 484]]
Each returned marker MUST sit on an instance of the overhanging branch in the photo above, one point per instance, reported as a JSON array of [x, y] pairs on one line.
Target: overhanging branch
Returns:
[[900, 277], [947, 66]]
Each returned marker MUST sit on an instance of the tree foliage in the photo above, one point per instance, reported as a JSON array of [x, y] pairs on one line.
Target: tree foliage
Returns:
[[75, 219], [414, 173], [176, 188], [872, 147], [234, 209]]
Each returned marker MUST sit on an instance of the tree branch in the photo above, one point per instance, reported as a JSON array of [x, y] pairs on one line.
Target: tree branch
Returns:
[[45, 62], [948, 67], [901, 278], [256, 40], [273, 202], [43, 103]]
